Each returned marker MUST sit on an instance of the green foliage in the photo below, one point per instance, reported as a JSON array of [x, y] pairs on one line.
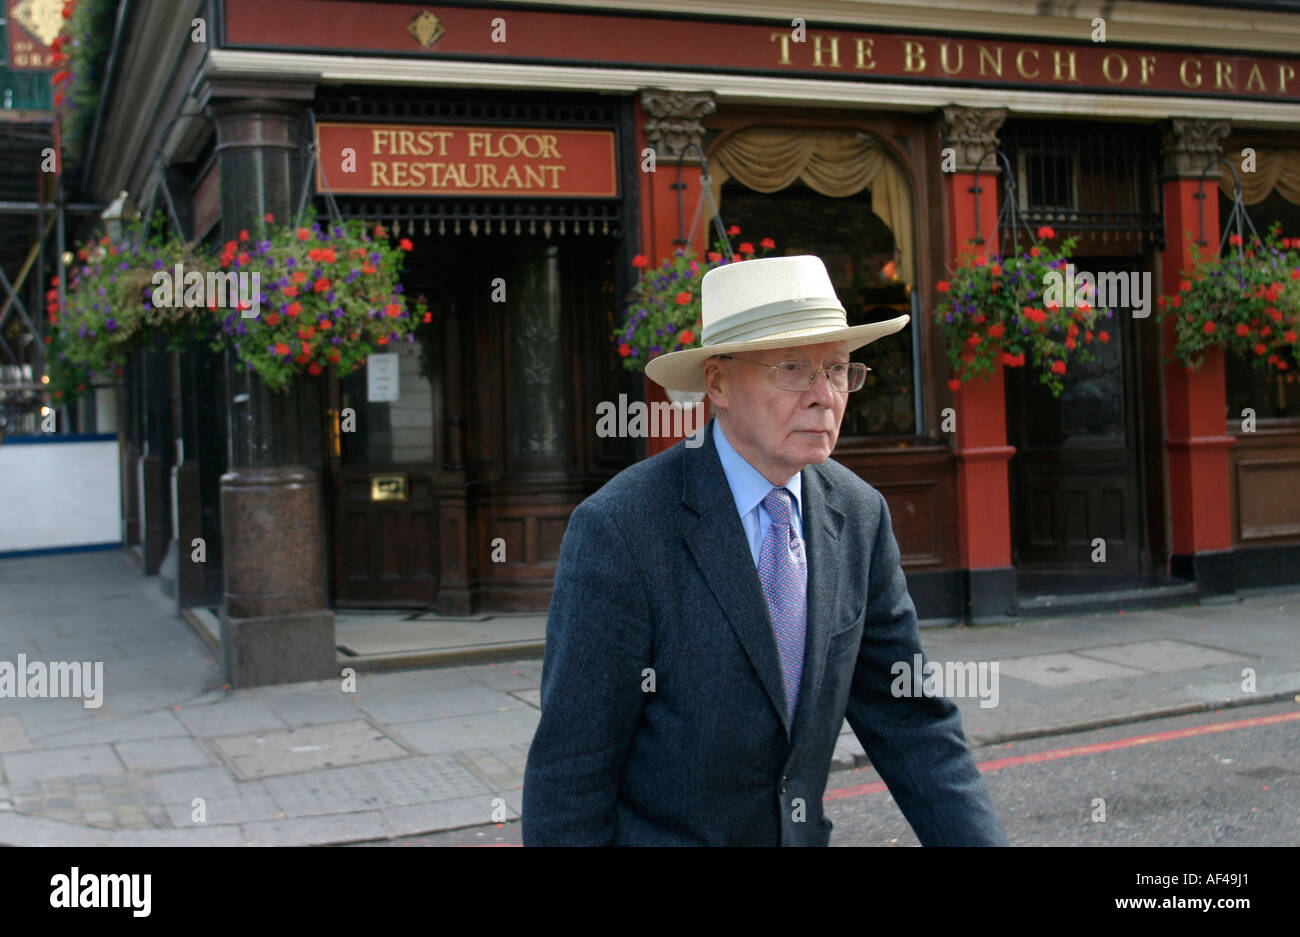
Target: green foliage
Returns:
[[331, 296], [1248, 301], [1009, 311], [665, 309]]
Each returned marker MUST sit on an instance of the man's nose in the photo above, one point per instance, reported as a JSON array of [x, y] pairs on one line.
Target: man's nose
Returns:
[[821, 390]]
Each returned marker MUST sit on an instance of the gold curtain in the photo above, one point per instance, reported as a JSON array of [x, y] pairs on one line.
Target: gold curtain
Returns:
[[1274, 169], [833, 162]]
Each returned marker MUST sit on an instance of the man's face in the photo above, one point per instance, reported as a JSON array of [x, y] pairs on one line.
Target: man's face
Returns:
[[778, 431]]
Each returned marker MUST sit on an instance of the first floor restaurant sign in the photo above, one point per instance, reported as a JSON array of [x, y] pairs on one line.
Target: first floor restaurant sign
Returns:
[[416, 159]]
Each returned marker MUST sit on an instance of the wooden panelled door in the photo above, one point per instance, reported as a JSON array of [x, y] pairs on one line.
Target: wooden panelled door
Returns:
[[1076, 472]]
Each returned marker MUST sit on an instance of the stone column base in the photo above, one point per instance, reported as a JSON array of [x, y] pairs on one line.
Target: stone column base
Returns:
[[278, 648]]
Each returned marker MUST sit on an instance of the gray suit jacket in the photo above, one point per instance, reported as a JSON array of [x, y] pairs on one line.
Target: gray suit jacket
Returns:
[[655, 573]]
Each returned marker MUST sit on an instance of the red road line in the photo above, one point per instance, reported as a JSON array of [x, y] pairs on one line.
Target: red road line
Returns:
[[1057, 753]]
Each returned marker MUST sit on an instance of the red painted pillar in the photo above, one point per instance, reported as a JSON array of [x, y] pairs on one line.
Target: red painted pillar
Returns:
[[660, 225], [1195, 416], [983, 487], [982, 453]]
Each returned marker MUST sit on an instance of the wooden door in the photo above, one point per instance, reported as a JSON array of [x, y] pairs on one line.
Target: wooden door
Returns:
[[1075, 474]]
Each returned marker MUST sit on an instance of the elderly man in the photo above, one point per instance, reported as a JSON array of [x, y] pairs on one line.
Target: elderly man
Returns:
[[719, 610]]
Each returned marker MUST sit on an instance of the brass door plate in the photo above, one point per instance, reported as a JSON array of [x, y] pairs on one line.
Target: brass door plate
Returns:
[[388, 488]]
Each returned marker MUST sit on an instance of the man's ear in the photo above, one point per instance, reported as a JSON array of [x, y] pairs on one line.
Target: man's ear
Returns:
[[716, 383]]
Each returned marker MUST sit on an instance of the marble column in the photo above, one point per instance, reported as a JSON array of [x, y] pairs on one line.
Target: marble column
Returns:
[[276, 626]]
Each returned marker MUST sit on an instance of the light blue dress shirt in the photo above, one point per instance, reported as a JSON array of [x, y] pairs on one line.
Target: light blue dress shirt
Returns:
[[749, 488]]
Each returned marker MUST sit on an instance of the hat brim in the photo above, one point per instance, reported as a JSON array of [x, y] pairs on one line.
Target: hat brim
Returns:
[[684, 370]]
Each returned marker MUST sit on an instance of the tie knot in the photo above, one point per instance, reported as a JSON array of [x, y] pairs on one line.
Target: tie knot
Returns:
[[778, 505]]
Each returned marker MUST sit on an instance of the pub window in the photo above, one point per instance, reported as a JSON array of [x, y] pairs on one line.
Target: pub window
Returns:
[[841, 195]]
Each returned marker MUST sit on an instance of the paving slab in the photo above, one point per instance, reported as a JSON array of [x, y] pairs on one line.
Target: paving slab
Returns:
[[12, 736], [230, 716], [291, 751], [165, 753], [450, 814], [375, 786], [1057, 670], [433, 736], [67, 762], [316, 831], [1162, 656], [438, 704]]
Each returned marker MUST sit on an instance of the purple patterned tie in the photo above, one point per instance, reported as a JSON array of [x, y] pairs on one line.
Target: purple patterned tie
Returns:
[[783, 571]]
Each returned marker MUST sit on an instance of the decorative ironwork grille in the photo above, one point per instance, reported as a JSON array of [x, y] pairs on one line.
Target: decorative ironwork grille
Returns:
[[1088, 178]]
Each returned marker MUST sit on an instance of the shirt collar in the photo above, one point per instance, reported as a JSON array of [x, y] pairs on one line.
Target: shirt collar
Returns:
[[748, 486]]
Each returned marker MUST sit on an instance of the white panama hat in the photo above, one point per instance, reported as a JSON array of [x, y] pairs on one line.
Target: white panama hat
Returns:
[[753, 305]]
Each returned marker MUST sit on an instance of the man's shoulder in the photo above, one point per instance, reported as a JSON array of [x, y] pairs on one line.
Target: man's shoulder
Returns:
[[643, 488], [848, 487]]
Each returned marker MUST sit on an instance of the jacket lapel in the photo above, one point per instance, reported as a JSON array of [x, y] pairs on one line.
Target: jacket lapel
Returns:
[[717, 541], [822, 522]]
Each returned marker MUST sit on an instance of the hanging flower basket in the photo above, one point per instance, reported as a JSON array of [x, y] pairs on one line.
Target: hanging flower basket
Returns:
[[107, 312], [330, 296], [1019, 311], [664, 312], [1247, 301]]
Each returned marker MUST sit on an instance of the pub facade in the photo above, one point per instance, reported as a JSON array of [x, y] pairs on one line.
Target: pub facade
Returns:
[[529, 153]]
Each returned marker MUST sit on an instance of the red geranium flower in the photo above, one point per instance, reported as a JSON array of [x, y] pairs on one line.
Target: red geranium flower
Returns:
[[746, 248], [325, 324], [954, 384], [1243, 329], [733, 230], [1046, 233], [281, 348], [313, 368], [686, 337], [767, 244], [304, 234], [943, 286], [683, 298], [624, 350], [1234, 240], [973, 340], [714, 256], [1058, 367], [294, 309], [393, 310], [321, 285], [243, 235], [405, 244], [269, 218], [1103, 336], [640, 260], [428, 317]]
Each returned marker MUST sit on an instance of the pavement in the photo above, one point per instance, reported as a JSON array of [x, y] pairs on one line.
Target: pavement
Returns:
[[172, 756]]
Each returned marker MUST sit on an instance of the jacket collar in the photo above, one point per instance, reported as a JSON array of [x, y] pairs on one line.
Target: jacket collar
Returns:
[[714, 535]]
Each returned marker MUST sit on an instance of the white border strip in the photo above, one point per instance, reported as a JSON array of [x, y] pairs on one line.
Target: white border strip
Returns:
[[737, 89]]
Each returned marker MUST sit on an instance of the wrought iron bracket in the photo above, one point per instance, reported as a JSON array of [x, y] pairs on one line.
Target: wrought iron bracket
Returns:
[[1009, 215], [1237, 217], [706, 192]]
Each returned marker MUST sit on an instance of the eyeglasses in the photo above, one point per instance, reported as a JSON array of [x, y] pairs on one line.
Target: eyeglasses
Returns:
[[799, 376]]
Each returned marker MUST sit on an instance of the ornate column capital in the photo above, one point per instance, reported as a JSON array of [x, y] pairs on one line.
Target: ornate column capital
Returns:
[[972, 132], [1189, 144], [673, 120]]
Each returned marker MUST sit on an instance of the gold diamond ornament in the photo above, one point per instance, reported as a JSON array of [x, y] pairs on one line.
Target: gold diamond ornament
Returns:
[[426, 29], [42, 18]]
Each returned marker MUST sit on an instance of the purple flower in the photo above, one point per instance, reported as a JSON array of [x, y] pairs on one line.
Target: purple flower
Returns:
[[398, 288], [157, 264], [670, 327], [291, 261], [655, 349], [242, 330], [124, 265], [948, 317], [1033, 294], [336, 340], [111, 325]]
